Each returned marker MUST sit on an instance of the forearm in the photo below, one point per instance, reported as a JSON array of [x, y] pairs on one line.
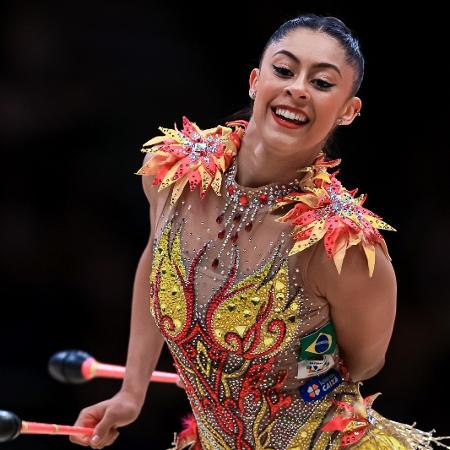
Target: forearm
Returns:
[[363, 370], [369, 373], [145, 341]]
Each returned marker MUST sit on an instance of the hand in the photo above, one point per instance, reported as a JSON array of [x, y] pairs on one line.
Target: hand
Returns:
[[105, 417], [180, 384]]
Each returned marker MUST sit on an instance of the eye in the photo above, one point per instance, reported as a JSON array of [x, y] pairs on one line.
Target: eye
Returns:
[[322, 84], [282, 71]]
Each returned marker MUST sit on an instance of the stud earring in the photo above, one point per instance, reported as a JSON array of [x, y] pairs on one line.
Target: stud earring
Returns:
[[252, 94], [340, 121], [358, 113]]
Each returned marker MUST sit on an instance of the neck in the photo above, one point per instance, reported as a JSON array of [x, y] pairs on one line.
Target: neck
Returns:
[[259, 165]]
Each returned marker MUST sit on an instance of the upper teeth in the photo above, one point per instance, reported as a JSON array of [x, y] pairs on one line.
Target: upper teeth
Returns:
[[291, 115]]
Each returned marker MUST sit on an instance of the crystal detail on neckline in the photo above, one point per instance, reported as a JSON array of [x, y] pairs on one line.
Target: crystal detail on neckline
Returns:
[[243, 204]]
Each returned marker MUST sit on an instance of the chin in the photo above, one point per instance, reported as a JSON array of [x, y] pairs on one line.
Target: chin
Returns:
[[284, 143]]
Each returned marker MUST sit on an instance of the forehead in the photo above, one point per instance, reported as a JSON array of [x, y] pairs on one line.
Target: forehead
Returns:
[[310, 46]]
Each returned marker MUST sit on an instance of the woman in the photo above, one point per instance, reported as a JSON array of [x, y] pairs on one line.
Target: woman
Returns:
[[268, 279]]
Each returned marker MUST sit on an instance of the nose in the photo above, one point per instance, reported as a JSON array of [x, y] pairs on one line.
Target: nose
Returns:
[[298, 89]]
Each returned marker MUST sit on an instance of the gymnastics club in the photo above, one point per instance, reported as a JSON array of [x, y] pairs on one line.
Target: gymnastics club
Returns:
[[76, 366], [11, 426]]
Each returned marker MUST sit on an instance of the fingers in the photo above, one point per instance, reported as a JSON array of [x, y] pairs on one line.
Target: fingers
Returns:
[[104, 418], [101, 442], [96, 441], [87, 418], [180, 384], [80, 440], [105, 432]]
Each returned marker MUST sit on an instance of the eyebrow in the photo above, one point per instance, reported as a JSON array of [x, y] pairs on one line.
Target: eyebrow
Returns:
[[321, 65]]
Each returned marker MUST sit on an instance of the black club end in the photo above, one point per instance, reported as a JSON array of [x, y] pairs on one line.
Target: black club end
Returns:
[[10, 426], [65, 366]]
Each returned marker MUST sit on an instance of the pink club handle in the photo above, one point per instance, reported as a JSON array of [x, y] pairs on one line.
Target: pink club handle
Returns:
[[47, 428], [91, 369]]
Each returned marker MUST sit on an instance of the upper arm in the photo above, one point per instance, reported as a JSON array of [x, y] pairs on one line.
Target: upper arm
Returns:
[[362, 307], [151, 194]]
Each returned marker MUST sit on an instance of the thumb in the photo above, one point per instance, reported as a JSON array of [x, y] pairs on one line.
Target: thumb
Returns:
[[102, 429]]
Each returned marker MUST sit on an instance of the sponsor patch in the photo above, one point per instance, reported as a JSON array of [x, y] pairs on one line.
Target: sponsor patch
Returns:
[[319, 387], [313, 367]]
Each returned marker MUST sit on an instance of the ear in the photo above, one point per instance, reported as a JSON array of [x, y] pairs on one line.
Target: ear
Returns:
[[350, 111], [253, 79]]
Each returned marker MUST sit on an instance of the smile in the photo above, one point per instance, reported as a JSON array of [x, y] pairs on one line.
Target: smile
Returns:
[[289, 119]]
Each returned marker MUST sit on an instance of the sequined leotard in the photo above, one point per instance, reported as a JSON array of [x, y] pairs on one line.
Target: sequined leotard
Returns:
[[251, 340]]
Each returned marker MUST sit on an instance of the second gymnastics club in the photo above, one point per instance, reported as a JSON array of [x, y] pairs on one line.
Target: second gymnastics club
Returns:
[[76, 366], [11, 426]]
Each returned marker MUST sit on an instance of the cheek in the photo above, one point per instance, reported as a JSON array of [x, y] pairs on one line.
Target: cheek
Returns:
[[266, 90], [261, 106], [328, 109]]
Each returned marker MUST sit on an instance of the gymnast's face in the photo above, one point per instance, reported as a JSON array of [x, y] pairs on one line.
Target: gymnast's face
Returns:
[[303, 91]]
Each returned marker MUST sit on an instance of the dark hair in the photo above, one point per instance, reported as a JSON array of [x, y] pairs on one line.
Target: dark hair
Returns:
[[334, 28]]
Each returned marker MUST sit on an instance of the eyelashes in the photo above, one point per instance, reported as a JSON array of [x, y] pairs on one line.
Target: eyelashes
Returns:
[[285, 72], [282, 70], [322, 84]]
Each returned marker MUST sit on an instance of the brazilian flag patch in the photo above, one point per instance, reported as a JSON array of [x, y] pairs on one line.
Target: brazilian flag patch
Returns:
[[321, 342]]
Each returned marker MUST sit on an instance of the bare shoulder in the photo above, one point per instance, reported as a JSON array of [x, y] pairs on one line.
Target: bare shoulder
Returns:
[[353, 284], [151, 192]]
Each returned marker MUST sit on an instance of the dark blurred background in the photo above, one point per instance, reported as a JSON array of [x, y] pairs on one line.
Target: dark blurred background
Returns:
[[84, 84]]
